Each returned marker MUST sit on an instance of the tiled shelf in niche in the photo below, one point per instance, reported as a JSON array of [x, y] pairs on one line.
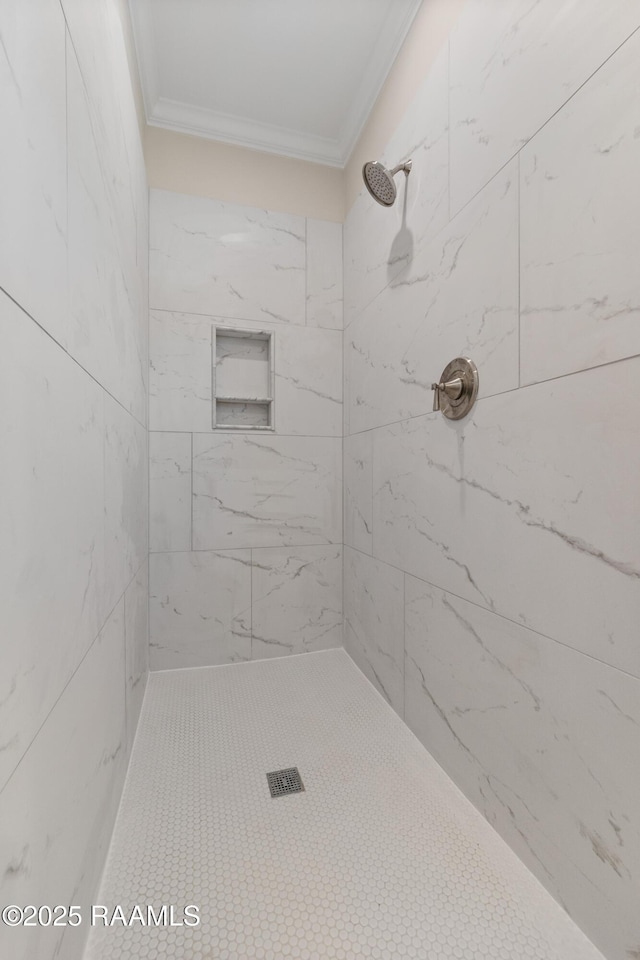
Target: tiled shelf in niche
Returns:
[[243, 379]]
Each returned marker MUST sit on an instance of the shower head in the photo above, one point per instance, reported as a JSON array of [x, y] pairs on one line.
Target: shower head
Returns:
[[379, 181]]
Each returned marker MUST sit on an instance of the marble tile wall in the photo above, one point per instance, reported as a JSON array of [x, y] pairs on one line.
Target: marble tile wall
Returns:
[[246, 526], [73, 430], [492, 566]]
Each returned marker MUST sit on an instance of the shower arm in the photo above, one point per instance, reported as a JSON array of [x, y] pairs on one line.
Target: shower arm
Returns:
[[406, 167]]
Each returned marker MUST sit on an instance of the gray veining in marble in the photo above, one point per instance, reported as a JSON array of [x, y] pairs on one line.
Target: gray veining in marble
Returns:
[[136, 635], [260, 492], [169, 491], [296, 600], [126, 465], [58, 809], [307, 364], [459, 298], [199, 608], [512, 508], [52, 525], [358, 491], [580, 304], [33, 161], [521, 663], [73, 488], [380, 242], [212, 257], [324, 274], [543, 740], [105, 329], [180, 364], [513, 65], [374, 623]]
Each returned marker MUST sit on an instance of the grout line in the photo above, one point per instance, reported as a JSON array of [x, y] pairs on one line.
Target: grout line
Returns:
[[306, 270], [501, 616], [72, 358], [512, 156], [217, 318], [504, 393], [273, 660], [191, 540], [216, 435], [453, 216], [72, 675], [519, 276], [448, 129], [373, 526], [278, 546], [548, 120], [404, 643], [126, 698], [67, 41], [213, 376]]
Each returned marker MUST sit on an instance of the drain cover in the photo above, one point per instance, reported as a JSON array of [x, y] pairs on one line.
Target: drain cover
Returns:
[[286, 781]]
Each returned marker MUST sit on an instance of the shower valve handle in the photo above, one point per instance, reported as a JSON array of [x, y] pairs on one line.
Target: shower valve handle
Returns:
[[452, 388]]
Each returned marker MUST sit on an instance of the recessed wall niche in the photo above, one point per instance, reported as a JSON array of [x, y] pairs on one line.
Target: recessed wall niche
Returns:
[[243, 379]]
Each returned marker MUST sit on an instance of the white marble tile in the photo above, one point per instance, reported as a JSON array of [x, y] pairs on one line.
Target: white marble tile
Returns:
[[136, 634], [528, 507], [459, 297], [296, 600], [308, 374], [199, 608], [380, 242], [106, 329], [358, 491], [308, 382], [580, 227], [346, 385], [180, 371], [51, 525], [512, 66], [97, 36], [126, 469], [92, 261], [545, 743], [307, 363], [374, 623], [324, 274], [58, 809], [33, 160], [266, 491], [93, 29], [213, 257], [169, 491]]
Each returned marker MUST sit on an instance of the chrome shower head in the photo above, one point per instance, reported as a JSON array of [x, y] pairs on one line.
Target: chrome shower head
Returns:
[[380, 183]]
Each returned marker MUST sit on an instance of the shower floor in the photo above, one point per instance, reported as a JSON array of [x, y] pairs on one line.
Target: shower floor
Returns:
[[381, 856]]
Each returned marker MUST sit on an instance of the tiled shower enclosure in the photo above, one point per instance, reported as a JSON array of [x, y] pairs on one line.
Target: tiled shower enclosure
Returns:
[[219, 446], [246, 525]]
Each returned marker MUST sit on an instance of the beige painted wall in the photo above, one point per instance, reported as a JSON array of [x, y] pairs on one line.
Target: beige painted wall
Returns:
[[209, 168], [428, 34]]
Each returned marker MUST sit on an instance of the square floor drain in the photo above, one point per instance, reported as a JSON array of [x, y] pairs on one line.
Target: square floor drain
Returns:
[[286, 781]]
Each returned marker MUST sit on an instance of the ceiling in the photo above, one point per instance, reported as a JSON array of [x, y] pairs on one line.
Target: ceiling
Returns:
[[293, 77]]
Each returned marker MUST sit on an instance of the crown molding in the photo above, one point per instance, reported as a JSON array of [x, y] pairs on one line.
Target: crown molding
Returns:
[[143, 36], [228, 128], [379, 66], [253, 134]]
